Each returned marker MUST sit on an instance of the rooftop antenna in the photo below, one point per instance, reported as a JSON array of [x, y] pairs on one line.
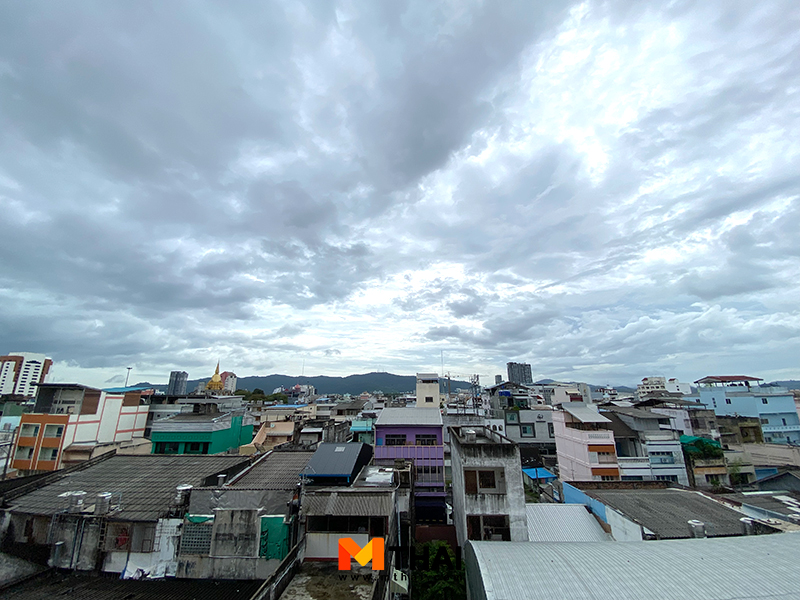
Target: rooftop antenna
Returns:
[[128, 375]]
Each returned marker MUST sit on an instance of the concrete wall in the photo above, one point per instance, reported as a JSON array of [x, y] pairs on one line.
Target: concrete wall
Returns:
[[235, 533], [622, 528], [506, 460], [770, 454], [325, 546]]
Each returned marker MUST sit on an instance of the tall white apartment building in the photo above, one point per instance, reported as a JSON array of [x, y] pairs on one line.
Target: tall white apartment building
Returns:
[[651, 385], [21, 371], [229, 381]]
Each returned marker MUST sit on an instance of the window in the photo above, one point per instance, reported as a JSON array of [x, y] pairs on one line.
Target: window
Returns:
[[607, 478], [527, 431], [395, 439], [24, 453], [196, 448], [764, 401], [765, 421], [488, 527], [512, 417], [426, 440], [53, 431], [167, 447], [727, 400], [428, 398], [48, 454], [29, 430], [471, 482], [550, 430], [783, 421], [486, 479], [667, 478]]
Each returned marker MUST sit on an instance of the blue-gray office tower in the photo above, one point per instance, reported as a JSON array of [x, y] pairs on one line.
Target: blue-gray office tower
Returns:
[[177, 383]]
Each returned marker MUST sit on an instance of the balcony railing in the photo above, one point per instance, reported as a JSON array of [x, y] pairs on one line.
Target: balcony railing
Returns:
[[589, 436], [633, 461], [606, 460], [777, 428], [410, 452], [662, 460]]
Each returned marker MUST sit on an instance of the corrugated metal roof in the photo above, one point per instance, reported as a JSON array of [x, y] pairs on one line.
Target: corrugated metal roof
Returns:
[[350, 503], [409, 416], [583, 413], [147, 483], [333, 459], [87, 587], [666, 512], [563, 523], [637, 413], [747, 568], [276, 471]]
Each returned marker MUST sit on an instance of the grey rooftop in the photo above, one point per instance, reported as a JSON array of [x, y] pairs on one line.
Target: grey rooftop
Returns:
[[146, 483], [410, 416]]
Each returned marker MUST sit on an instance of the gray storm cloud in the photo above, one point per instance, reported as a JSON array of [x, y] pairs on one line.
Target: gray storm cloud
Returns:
[[606, 191]]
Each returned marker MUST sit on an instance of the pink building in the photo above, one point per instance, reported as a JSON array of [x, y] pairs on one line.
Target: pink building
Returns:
[[584, 444]]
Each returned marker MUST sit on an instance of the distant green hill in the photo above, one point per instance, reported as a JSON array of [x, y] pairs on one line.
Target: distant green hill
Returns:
[[352, 384]]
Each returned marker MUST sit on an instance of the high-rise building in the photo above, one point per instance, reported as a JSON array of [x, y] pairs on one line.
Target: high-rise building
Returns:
[[519, 373], [20, 372], [229, 381], [177, 383]]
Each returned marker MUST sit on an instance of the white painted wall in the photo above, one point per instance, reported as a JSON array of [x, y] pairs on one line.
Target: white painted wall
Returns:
[[623, 529]]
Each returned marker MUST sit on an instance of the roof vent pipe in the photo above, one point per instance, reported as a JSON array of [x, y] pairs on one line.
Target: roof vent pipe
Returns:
[[221, 480], [697, 529], [748, 526]]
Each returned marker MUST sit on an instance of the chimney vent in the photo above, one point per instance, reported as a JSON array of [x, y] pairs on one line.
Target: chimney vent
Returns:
[[697, 529]]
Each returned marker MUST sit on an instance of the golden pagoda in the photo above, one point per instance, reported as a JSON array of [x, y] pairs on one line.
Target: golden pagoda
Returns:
[[216, 381]]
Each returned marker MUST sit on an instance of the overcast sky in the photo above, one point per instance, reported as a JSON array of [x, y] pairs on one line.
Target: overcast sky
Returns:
[[607, 190]]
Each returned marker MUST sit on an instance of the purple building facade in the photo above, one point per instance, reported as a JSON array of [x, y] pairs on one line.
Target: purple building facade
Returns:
[[415, 435]]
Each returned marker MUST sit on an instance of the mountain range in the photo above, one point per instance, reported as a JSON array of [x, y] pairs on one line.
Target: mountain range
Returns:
[[369, 382], [388, 383]]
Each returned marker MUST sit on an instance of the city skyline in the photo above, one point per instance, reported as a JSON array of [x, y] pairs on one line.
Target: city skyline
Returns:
[[603, 191]]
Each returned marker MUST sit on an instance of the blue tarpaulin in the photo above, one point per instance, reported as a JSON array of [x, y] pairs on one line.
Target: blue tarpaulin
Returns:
[[539, 473]]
